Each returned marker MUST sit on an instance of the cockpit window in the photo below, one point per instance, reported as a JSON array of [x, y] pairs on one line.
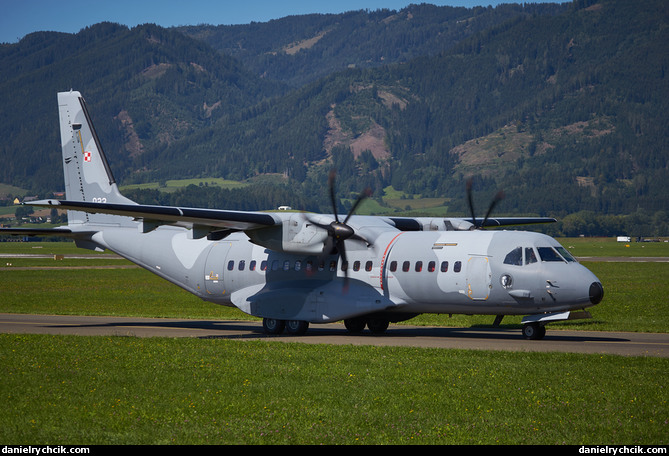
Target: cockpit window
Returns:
[[514, 257], [565, 254], [530, 257], [548, 254]]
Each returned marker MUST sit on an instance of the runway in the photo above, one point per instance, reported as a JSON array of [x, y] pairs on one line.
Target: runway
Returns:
[[613, 343]]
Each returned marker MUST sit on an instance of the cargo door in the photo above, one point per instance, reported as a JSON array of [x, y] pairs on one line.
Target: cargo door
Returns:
[[479, 278]]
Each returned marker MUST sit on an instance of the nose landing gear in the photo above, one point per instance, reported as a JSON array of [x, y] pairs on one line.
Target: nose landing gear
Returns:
[[534, 331]]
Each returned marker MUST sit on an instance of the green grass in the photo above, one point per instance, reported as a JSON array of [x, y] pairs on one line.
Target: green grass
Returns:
[[127, 390], [609, 247]]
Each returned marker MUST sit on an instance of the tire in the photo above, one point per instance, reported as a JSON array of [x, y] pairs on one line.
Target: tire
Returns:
[[355, 325], [377, 325], [273, 326], [296, 327], [534, 331]]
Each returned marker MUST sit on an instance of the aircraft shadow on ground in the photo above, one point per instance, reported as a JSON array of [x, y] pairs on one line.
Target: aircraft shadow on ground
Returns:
[[250, 330]]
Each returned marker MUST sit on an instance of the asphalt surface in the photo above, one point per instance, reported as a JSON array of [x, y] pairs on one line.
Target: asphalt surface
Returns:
[[614, 343]]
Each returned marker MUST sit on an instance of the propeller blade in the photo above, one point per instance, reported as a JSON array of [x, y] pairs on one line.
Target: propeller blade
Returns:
[[340, 231], [498, 197], [333, 201], [363, 195], [344, 261], [469, 199]]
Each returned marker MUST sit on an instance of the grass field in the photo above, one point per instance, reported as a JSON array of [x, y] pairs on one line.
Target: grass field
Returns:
[[129, 390]]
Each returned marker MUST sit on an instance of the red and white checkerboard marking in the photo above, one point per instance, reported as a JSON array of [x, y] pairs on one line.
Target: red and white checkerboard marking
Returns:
[[87, 156]]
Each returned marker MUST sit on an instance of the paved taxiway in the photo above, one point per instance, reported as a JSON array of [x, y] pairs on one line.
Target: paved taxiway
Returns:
[[617, 343]]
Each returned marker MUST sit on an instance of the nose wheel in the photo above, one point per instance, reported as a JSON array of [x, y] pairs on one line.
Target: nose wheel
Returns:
[[534, 331]]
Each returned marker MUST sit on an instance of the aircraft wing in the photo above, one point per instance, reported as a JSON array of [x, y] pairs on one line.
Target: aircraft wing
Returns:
[[244, 220], [460, 223], [222, 219]]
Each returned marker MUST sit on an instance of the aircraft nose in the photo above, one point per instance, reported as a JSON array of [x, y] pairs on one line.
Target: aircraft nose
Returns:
[[596, 292]]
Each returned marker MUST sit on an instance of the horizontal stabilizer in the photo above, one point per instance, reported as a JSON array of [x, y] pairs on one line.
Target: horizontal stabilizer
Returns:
[[63, 232], [36, 231]]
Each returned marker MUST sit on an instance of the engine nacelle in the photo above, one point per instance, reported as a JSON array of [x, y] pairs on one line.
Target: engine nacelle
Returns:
[[295, 235]]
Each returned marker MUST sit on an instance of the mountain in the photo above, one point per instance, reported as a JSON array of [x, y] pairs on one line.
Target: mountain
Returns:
[[565, 112], [564, 107], [146, 87], [301, 49]]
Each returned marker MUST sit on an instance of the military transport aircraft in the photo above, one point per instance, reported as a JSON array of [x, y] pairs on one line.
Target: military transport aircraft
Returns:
[[292, 269]]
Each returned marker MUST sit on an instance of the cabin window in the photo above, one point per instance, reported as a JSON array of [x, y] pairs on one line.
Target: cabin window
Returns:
[[356, 266], [419, 266], [298, 265], [344, 265], [310, 266], [252, 265], [457, 266], [231, 265], [393, 266], [514, 257], [275, 265], [548, 254], [333, 266], [431, 266], [263, 265], [444, 266], [406, 266], [242, 265], [368, 266], [286, 265]]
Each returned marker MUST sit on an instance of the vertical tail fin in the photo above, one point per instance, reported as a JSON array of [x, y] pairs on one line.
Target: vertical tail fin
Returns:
[[87, 173]]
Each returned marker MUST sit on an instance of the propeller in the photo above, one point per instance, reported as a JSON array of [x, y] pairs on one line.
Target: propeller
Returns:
[[498, 197], [340, 231]]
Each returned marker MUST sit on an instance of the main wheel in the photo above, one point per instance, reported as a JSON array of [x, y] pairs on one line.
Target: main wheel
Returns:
[[377, 325], [534, 331], [273, 326], [355, 325], [296, 327]]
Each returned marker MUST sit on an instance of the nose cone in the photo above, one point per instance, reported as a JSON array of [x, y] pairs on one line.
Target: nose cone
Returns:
[[596, 292]]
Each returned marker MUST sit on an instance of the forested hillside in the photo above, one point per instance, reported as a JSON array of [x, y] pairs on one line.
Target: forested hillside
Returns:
[[146, 87], [564, 107], [301, 49]]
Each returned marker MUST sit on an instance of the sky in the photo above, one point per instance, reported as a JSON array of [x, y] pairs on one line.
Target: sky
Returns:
[[21, 17]]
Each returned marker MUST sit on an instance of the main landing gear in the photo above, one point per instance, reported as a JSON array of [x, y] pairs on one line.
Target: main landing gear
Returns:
[[293, 327], [375, 325], [274, 327]]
